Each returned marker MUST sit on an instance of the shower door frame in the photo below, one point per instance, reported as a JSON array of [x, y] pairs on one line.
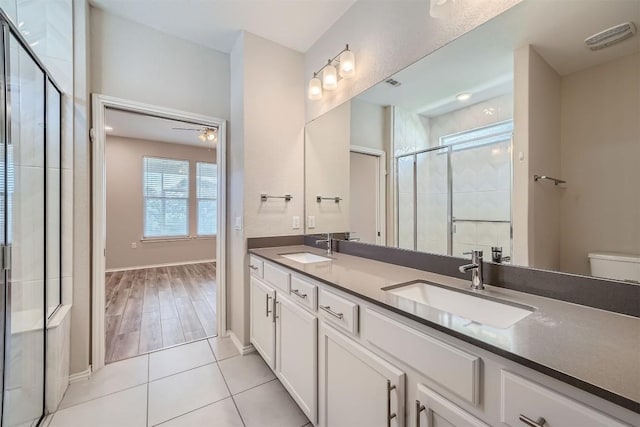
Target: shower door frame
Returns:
[[9, 32]]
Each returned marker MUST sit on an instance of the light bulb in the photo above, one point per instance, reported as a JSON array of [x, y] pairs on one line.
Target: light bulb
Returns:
[[329, 78], [347, 64], [202, 137], [315, 89], [211, 135]]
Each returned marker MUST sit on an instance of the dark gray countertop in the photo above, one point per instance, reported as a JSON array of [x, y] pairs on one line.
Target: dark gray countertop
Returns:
[[595, 350]]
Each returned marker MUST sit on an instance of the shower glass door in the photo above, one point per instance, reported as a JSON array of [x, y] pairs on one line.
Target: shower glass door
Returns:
[[25, 236]]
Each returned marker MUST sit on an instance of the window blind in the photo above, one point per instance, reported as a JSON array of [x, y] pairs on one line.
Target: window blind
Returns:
[[166, 197], [207, 198]]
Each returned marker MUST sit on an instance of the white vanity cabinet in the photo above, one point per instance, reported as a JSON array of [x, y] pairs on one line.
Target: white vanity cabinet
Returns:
[[262, 322], [349, 362], [433, 410], [297, 354], [357, 388]]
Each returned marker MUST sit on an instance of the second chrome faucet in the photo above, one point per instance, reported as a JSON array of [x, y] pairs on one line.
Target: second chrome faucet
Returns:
[[477, 278]]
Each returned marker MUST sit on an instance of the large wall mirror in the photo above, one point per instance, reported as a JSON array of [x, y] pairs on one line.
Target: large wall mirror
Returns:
[[516, 138]]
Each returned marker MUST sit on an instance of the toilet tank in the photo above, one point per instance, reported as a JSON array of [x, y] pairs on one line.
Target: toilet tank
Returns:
[[616, 266]]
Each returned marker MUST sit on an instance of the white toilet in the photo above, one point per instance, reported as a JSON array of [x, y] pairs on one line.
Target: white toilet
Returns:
[[618, 266]]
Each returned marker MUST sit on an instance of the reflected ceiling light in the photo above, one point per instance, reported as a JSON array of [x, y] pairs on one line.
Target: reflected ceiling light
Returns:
[[463, 96], [108, 128], [343, 65]]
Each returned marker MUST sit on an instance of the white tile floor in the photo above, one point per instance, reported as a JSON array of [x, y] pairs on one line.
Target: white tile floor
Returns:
[[204, 383]]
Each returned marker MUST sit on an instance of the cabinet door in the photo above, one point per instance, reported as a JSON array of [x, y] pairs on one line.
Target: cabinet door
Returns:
[[357, 388], [263, 327], [297, 350], [433, 410]]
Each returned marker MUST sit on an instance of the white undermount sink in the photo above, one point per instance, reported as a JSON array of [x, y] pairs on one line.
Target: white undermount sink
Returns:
[[479, 309], [305, 257]]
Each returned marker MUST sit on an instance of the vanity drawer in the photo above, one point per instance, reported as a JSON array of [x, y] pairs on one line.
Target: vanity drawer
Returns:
[[304, 292], [277, 276], [524, 398], [339, 311], [256, 265], [452, 368]]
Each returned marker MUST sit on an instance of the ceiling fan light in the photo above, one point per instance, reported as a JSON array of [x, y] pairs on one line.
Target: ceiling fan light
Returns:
[[202, 137]]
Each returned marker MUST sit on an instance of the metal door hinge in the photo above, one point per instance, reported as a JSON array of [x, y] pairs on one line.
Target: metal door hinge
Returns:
[[92, 134]]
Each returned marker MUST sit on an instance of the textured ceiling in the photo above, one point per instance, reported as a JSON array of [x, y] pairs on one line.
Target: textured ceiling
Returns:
[[296, 24]]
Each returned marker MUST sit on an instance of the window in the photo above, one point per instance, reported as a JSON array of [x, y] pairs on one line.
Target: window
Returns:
[[497, 132], [207, 195], [166, 197]]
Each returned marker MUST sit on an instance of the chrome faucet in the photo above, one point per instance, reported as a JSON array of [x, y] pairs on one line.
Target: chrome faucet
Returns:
[[477, 278], [328, 241]]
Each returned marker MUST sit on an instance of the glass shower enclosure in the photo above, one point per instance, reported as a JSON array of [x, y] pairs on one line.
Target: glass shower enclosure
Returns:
[[30, 224], [456, 196]]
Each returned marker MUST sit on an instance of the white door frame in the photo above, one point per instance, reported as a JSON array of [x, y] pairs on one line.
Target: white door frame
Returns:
[[98, 230], [381, 194]]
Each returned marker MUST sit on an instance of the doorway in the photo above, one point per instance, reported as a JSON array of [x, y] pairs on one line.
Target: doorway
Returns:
[[367, 189], [158, 228]]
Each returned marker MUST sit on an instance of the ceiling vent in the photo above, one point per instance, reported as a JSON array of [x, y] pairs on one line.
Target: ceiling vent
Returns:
[[610, 36], [393, 82]]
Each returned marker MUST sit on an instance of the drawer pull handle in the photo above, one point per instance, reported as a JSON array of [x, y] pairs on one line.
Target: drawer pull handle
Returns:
[[419, 408], [390, 415], [253, 267], [268, 311], [540, 422], [331, 312], [297, 293]]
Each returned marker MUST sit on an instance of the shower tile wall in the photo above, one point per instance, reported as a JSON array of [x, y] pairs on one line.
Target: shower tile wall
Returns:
[[481, 180]]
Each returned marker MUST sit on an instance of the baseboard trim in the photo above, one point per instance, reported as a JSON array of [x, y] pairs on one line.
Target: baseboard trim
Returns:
[[80, 376], [168, 264], [242, 349]]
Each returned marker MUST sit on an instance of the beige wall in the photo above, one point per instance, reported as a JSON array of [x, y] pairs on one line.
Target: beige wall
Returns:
[[385, 37], [266, 154], [327, 170], [369, 125], [600, 207], [125, 205], [536, 205], [138, 63]]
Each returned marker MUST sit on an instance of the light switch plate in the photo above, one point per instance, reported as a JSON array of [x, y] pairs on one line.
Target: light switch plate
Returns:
[[134, 245], [296, 222], [311, 221], [238, 223]]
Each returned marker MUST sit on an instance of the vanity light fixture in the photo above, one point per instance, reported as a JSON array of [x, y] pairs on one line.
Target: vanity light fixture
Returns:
[[463, 96], [343, 65]]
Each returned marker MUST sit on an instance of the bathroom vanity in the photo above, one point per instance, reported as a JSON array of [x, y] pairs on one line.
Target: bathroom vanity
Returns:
[[359, 342]]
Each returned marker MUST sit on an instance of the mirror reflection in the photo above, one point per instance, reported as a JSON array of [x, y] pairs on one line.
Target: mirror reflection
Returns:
[[520, 138]]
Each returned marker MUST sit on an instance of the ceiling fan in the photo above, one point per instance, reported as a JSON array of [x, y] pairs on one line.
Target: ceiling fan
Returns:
[[206, 133]]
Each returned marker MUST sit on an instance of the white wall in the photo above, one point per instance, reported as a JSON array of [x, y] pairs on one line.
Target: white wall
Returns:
[[387, 36], [327, 141], [266, 154], [600, 207], [536, 205], [125, 205], [135, 62], [369, 125]]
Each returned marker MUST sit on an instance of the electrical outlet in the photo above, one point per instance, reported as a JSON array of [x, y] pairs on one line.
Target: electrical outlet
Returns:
[[311, 221], [134, 245], [296, 222]]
